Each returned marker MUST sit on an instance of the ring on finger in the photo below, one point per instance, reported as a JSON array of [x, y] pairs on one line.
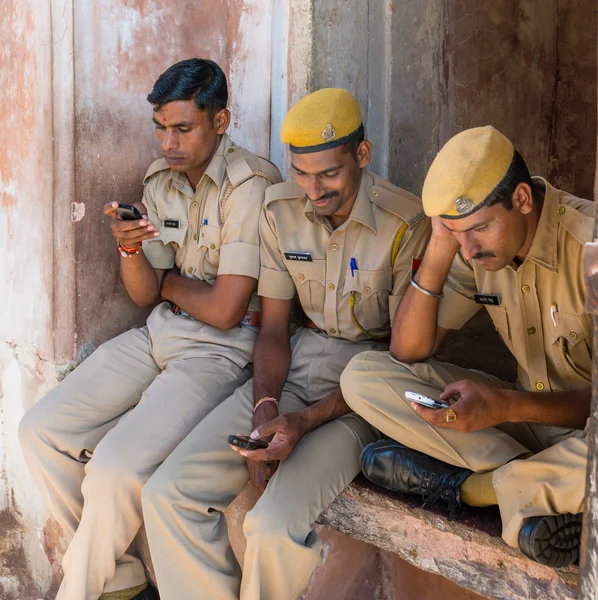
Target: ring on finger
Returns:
[[451, 415]]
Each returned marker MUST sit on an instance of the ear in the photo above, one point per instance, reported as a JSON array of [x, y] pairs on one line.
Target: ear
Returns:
[[221, 121], [523, 199], [364, 154]]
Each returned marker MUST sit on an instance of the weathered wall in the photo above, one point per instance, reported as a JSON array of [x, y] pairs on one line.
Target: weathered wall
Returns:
[[26, 248], [424, 71], [77, 133], [120, 49]]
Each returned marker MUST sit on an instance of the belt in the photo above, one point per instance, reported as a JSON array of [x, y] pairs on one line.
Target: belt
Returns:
[[311, 325], [252, 318]]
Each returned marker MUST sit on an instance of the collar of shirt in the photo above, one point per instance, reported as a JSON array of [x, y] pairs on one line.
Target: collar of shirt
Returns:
[[543, 250], [362, 209], [216, 170]]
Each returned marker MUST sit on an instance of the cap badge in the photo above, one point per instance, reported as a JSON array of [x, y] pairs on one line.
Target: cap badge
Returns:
[[329, 133], [463, 206]]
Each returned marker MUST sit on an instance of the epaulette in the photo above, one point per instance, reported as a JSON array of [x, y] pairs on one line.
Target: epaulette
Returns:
[[241, 166], [155, 167], [397, 201], [577, 218], [288, 190]]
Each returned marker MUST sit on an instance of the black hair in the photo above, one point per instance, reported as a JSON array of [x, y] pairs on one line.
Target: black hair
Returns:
[[197, 79], [517, 173], [353, 145]]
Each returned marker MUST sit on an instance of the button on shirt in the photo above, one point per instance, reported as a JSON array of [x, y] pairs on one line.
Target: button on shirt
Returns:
[[541, 315], [213, 230], [325, 283]]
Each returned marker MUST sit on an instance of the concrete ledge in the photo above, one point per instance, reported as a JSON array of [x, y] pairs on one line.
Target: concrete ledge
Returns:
[[467, 551]]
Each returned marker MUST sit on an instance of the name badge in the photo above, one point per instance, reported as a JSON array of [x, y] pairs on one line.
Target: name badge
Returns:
[[301, 256], [173, 223], [490, 299]]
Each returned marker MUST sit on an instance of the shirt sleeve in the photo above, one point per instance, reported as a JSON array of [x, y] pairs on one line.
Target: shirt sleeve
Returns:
[[412, 248], [159, 254], [458, 304], [274, 281], [240, 250]]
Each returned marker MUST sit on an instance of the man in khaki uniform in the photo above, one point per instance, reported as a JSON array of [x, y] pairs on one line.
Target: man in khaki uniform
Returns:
[[514, 245], [343, 239], [94, 441]]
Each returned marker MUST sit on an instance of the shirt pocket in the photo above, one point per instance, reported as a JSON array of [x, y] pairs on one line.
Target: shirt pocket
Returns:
[[210, 242], [500, 318], [174, 235], [309, 279], [572, 344], [371, 290]]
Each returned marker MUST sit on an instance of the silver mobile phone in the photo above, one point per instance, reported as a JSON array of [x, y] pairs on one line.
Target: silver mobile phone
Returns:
[[425, 400]]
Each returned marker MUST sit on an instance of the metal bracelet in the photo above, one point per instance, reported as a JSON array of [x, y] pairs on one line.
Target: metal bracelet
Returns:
[[424, 290]]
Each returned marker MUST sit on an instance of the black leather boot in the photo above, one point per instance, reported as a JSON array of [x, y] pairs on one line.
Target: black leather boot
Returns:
[[552, 541], [401, 469]]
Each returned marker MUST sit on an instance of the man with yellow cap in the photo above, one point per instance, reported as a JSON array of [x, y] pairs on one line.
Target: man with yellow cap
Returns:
[[513, 244], [343, 240]]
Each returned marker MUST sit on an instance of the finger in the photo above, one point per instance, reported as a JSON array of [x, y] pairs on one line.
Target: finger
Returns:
[[141, 208], [123, 226], [434, 416], [452, 389], [263, 455], [268, 428], [110, 209]]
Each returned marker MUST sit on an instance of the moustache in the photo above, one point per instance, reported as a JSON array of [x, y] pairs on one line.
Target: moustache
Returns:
[[482, 255], [327, 196]]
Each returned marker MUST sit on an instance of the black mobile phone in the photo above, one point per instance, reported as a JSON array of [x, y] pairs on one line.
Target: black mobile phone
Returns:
[[128, 213], [245, 442]]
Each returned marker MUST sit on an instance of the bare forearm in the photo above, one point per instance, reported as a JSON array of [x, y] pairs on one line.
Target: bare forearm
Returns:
[[141, 280], [415, 329], [329, 408], [562, 409], [271, 362], [221, 305]]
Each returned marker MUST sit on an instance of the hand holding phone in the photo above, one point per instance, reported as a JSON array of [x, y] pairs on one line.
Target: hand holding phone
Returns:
[[247, 443], [425, 400], [129, 225], [127, 212]]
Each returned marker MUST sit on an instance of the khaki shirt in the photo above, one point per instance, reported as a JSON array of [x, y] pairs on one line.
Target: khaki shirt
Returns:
[[541, 314], [213, 230], [325, 284]]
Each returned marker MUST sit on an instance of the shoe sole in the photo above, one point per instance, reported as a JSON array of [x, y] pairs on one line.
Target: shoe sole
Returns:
[[552, 541]]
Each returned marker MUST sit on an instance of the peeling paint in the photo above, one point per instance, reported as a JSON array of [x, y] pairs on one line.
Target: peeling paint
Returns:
[[77, 211]]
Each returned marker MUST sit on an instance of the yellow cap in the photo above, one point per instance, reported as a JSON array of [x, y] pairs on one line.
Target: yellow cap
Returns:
[[465, 172], [322, 120]]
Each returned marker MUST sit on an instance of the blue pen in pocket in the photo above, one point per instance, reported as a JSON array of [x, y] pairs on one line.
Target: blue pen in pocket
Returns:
[[353, 265]]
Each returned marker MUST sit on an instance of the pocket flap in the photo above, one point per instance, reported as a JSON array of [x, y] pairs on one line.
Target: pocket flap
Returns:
[[173, 234], [211, 238], [368, 283], [574, 328], [302, 272]]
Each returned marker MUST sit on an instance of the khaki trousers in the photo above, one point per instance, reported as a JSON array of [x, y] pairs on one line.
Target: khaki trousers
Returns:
[[184, 500], [127, 406], [549, 483]]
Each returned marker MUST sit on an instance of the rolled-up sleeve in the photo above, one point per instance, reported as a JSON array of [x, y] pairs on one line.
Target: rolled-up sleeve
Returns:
[[413, 247], [240, 250], [275, 281], [458, 304], [159, 254]]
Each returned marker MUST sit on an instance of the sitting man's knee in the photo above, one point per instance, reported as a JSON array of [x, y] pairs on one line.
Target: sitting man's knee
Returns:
[[266, 523], [32, 427]]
